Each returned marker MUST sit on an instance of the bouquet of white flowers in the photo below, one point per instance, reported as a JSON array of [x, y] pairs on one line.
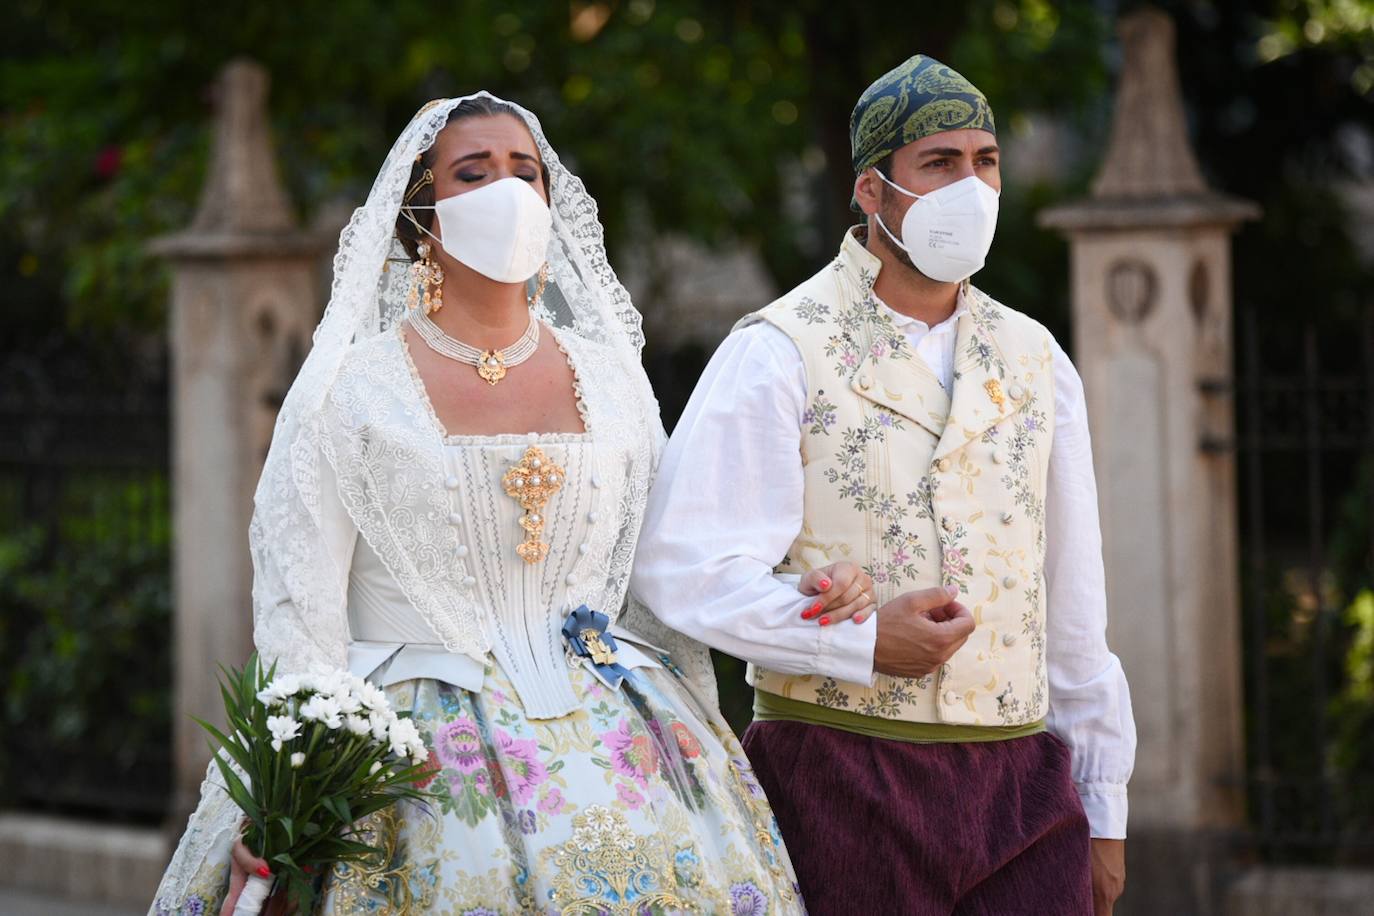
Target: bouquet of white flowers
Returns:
[[315, 754]]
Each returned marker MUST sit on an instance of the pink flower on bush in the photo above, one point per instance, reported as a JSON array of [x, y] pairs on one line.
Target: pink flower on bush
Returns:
[[521, 766], [954, 561], [459, 745], [108, 161], [632, 755]]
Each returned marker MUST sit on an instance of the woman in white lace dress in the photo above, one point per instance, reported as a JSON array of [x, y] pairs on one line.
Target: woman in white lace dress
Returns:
[[449, 508]]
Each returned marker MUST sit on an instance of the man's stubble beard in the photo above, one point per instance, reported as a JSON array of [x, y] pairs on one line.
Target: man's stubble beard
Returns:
[[890, 220]]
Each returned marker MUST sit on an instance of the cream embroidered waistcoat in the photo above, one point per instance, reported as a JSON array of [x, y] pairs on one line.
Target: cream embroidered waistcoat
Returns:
[[924, 488]]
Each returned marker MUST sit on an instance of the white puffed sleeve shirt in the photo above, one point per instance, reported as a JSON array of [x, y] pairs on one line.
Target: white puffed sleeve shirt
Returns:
[[727, 505]]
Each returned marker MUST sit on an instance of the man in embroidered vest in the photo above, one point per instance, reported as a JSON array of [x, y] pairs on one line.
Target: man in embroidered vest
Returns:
[[947, 735]]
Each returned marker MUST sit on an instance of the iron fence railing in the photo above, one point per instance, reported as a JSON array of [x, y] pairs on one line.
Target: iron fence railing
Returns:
[[1305, 421]]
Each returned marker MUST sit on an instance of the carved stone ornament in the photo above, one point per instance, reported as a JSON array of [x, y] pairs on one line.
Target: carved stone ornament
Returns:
[[1132, 289]]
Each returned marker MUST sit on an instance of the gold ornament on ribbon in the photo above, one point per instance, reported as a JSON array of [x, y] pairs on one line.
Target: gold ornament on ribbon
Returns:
[[994, 389], [532, 482]]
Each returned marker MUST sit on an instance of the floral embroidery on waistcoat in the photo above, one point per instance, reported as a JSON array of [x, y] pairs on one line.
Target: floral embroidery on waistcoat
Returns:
[[811, 311], [820, 416], [862, 326], [923, 485]]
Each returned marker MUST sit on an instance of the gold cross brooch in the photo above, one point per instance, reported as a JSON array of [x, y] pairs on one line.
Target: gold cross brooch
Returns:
[[532, 481]]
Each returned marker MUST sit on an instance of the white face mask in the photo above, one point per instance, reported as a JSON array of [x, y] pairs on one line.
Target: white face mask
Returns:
[[947, 233], [501, 230]]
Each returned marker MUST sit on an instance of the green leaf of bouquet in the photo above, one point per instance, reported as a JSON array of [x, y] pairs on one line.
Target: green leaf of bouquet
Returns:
[[339, 807], [239, 792], [289, 827], [233, 748]]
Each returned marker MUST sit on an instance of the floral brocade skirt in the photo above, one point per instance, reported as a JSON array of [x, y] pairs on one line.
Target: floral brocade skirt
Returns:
[[636, 803]]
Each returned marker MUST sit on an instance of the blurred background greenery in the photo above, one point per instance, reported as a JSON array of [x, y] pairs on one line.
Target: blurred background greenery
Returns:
[[682, 116]]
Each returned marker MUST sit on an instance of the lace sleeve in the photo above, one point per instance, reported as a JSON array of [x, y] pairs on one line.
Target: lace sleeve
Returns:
[[302, 541], [198, 875]]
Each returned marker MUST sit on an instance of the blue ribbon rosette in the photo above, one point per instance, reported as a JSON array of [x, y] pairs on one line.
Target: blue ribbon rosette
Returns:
[[587, 636]]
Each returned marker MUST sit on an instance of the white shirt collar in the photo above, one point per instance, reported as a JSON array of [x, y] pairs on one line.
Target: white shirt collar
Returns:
[[905, 323]]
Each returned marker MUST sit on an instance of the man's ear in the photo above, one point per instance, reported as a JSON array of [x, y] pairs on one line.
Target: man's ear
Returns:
[[867, 191]]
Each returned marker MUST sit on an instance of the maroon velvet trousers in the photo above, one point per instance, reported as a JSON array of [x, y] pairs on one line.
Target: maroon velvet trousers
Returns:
[[876, 826]]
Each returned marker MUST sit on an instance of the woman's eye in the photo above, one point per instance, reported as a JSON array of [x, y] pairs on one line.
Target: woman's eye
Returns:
[[528, 177], [470, 177]]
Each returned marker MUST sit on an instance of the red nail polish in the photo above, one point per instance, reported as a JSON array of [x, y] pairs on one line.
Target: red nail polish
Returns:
[[825, 585], [825, 621], [264, 871]]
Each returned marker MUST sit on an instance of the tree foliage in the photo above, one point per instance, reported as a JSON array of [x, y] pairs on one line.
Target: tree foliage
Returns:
[[724, 122]]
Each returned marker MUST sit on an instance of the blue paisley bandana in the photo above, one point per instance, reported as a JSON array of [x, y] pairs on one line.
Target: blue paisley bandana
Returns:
[[916, 99]]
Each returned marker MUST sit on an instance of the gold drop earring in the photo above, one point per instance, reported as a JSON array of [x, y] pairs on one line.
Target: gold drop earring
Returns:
[[532, 299], [427, 279]]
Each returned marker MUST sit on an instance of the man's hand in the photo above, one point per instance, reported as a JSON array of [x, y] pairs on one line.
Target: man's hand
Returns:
[[919, 631], [1109, 874]]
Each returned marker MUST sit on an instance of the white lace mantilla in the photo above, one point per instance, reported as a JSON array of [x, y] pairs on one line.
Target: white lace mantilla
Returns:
[[355, 452]]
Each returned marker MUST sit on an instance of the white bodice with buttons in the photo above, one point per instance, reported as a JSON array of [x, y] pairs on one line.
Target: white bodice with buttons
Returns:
[[524, 603]]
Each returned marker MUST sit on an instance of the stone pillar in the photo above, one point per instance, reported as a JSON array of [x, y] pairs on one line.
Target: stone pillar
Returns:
[[242, 310], [1152, 310]]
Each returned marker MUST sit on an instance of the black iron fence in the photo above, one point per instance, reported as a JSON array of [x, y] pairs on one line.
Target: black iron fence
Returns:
[[1305, 419], [85, 609]]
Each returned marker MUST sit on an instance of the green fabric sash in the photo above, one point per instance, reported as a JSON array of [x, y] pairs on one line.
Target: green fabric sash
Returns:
[[769, 707]]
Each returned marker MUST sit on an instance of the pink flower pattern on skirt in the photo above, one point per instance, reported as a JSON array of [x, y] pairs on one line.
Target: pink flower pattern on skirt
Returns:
[[520, 763], [633, 754], [459, 745]]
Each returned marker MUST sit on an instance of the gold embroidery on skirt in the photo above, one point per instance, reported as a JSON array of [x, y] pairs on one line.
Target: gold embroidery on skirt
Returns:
[[359, 885], [605, 861]]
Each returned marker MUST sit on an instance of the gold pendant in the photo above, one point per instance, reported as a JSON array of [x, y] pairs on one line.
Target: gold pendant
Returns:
[[491, 367], [600, 652], [994, 390], [531, 482]]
